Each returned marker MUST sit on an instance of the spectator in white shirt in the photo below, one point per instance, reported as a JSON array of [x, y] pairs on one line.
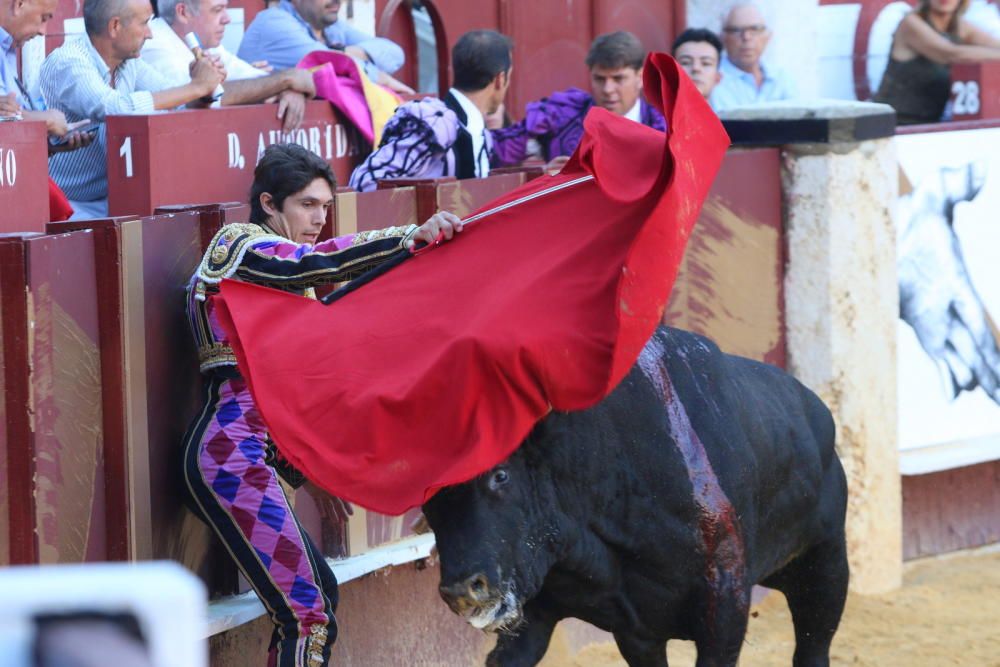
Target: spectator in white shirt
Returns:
[[100, 74], [245, 84], [746, 79], [19, 22]]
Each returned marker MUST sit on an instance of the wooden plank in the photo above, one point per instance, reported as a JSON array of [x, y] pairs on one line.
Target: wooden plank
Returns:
[[951, 510], [465, 196], [366, 211], [731, 283], [70, 512], [20, 538]]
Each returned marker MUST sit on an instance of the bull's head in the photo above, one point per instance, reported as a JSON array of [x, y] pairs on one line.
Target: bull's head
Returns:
[[498, 535]]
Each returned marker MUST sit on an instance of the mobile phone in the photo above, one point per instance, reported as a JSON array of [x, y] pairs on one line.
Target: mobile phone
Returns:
[[91, 129]]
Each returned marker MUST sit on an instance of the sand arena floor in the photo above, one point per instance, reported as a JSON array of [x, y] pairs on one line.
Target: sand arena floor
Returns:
[[947, 613]]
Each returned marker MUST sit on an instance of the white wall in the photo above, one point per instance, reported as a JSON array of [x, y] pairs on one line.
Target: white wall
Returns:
[[364, 15]]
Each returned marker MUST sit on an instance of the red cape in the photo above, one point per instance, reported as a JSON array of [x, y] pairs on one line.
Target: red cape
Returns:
[[436, 371]]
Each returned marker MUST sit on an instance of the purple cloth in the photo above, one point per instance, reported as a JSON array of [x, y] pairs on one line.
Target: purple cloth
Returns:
[[417, 142], [556, 123]]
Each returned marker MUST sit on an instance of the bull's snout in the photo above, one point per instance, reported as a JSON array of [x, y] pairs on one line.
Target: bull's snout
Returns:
[[470, 592]]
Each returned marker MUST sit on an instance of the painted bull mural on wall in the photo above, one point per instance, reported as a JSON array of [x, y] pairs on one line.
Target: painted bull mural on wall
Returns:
[[652, 515]]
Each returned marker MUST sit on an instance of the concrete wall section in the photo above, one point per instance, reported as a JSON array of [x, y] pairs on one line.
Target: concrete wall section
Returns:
[[841, 308]]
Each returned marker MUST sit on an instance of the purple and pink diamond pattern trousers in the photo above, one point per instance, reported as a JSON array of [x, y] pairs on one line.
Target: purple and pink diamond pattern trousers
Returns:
[[238, 494]]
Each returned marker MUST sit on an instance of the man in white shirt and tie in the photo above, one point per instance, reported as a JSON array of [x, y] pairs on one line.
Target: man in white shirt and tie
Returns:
[[168, 53]]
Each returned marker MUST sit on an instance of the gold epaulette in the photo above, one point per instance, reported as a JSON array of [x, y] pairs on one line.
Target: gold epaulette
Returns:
[[376, 234], [215, 354], [227, 248]]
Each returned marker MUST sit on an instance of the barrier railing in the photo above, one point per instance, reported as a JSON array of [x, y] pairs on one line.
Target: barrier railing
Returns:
[[209, 155], [24, 171], [100, 378]]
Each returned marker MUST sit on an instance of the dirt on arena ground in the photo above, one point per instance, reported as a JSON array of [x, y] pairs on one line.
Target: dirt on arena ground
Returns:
[[946, 613]]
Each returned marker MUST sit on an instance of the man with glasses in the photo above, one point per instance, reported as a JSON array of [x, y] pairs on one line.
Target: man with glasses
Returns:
[[745, 79]]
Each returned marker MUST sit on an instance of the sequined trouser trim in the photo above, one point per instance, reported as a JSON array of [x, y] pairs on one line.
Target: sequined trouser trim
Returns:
[[238, 494]]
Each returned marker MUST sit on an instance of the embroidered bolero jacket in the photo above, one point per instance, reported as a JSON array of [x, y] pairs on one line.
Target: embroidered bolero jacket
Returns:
[[253, 253]]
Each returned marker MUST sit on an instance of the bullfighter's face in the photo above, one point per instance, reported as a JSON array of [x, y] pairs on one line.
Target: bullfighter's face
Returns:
[[497, 540], [302, 214]]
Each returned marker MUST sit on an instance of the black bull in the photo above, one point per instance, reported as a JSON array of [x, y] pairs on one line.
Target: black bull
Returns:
[[652, 515]]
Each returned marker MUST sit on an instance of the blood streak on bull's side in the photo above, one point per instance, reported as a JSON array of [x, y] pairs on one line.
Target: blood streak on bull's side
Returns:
[[725, 557]]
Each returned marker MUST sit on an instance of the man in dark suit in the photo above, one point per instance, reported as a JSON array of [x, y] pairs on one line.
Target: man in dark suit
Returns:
[[429, 137]]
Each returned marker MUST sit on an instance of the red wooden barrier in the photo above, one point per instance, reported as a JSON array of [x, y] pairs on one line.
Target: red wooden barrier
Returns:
[[151, 382], [731, 284], [24, 170], [211, 216], [55, 466], [365, 211], [148, 381], [209, 155], [460, 197], [17, 541], [465, 196]]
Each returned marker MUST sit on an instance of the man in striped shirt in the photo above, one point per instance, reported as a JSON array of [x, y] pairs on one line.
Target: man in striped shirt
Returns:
[[19, 22], [100, 74]]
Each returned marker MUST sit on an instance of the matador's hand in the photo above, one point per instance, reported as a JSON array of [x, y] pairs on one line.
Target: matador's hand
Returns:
[[440, 227]]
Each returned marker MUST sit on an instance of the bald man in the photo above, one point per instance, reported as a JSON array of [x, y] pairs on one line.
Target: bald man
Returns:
[[746, 79]]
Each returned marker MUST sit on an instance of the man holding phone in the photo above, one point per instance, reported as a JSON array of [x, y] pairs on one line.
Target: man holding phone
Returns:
[[100, 74], [19, 22]]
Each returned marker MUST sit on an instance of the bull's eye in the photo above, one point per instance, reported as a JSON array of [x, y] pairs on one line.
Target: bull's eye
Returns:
[[498, 479]]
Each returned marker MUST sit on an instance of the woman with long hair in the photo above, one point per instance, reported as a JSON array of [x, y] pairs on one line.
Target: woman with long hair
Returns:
[[928, 41]]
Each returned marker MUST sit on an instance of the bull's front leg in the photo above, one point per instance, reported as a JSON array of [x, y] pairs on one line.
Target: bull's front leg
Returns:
[[641, 652], [724, 626], [725, 603], [528, 646]]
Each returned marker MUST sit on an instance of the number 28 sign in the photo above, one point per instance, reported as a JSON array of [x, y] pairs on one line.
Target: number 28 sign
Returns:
[[975, 91], [965, 100]]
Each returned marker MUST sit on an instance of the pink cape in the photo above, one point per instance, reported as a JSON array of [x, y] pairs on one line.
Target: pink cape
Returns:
[[339, 81]]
